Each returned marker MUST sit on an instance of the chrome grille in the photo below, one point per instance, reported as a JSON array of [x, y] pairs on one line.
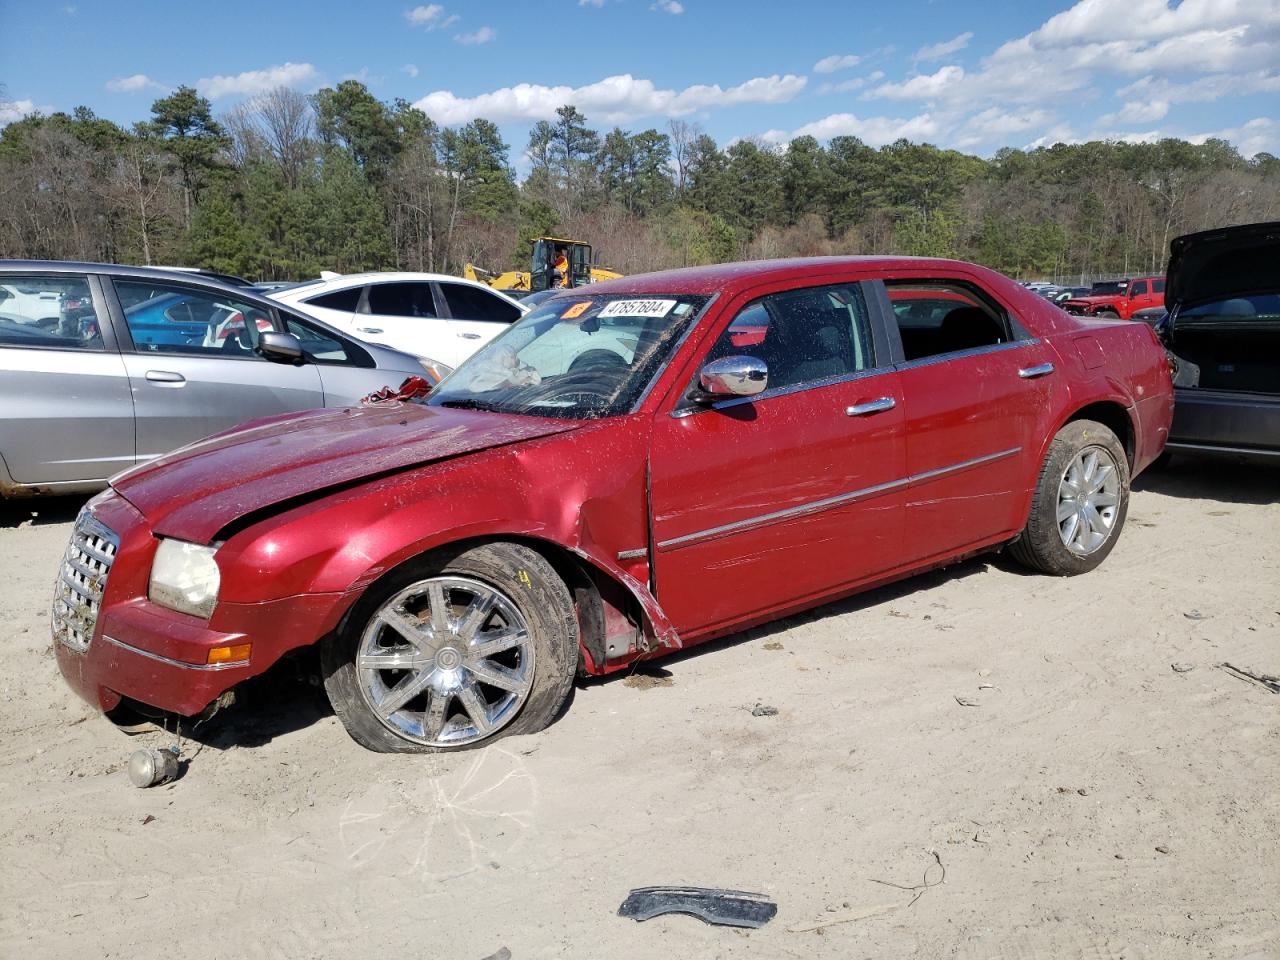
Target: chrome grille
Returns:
[[77, 596]]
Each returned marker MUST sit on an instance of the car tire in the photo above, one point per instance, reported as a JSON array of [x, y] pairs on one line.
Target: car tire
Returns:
[[1080, 502], [1107, 315], [464, 700]]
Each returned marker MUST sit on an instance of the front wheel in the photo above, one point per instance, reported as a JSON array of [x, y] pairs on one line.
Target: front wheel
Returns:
[[453, 651], [1080, 502]]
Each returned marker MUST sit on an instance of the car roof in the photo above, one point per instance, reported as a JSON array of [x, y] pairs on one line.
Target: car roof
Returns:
[[311, 287], [722, 276]]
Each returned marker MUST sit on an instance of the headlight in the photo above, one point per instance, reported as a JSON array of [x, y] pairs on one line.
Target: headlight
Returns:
[[185, 577], [435, 369]]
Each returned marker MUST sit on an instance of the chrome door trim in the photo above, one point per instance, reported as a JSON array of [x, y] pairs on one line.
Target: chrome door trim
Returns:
[[974, 352], [637, 554], [781, 391], [828, 503]]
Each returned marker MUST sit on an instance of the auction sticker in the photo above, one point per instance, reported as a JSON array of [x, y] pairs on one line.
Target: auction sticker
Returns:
[[575, 311], [638, 308]]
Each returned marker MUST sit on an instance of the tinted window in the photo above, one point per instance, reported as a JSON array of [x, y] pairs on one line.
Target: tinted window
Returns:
[[1157, 286], [48, 312], [936, 317], [472, 303], [402, 300], [338, 300], [802, 335], [1139, 289], [176, 319]]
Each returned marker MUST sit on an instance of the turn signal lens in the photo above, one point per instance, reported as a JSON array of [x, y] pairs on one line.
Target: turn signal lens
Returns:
[[231, 654]]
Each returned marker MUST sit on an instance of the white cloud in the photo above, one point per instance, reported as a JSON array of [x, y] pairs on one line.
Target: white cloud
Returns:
[[483, 35], [673, 7], [856, 83], [927, 86], [409, 69], [836, 62], [996, 125], [253, 82], [430, 16], [1136, 111], [1260, 135], [618, 99], [1204, 89], [591, 3], [938, 51], [134, 84], [875, 131], [12, 110]]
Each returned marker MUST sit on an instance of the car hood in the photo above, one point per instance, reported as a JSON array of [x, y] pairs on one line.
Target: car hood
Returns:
[[197, 490], [1223, 264]]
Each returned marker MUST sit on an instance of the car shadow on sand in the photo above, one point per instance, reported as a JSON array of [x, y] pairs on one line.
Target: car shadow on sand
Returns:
[[1220, 478], [657, 667], [40, 511]]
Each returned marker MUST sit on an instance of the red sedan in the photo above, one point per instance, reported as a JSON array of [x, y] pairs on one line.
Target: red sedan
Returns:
[[633, 467]]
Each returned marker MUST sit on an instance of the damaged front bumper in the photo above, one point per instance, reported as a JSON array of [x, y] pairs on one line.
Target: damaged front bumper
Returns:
[[117, 644]]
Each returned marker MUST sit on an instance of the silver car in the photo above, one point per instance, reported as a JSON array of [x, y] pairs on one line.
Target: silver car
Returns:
[[127, 363]]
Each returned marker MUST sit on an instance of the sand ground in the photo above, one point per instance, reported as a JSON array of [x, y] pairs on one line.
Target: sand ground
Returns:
[[1087, 799]]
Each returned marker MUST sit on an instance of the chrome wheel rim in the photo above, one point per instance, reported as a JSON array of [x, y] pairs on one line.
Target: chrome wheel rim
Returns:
[[445, 662], [1088, 501]]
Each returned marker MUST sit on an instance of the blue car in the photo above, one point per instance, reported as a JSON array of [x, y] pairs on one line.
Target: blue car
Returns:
[[174, 320]]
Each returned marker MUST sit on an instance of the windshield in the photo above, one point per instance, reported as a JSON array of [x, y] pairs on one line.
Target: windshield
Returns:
[[579, 358], [1254, 312], [1107, 287]]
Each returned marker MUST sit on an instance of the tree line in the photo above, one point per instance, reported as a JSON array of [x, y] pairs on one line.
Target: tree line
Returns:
[[286, 185]]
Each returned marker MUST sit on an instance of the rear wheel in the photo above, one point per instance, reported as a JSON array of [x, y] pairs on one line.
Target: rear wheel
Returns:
[[1080, 502], [453, 651]]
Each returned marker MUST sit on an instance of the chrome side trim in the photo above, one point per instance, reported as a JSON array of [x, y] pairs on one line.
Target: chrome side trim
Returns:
[[828, 503], [962, 465], [960, 354], [1209, 448], [767, 394], [170, 661], [635, 554]]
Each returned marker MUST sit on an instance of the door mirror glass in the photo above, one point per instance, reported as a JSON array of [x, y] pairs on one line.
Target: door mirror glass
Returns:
[[734, 376], [280, 347]]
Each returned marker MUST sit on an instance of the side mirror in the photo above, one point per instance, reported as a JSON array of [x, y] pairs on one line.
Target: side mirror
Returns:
[[280, 347], [736, 376]]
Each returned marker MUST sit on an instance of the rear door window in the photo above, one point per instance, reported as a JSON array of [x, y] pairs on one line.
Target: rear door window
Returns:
[[404, 299], [50, 312], [346, 300], [937, 317], [472, 303]]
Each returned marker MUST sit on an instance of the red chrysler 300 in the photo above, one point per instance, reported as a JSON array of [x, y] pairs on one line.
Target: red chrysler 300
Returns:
[[633, 467]]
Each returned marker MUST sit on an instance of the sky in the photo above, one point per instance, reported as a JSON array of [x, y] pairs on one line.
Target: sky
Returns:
[[975, 76]]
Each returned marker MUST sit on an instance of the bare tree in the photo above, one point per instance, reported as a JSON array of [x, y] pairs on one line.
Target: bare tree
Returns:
[[683, 136]]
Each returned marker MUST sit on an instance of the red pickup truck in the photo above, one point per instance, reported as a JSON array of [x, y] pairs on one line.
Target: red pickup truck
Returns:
[[1119, 298]]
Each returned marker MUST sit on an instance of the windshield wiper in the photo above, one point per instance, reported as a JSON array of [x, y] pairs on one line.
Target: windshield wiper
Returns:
[[469, 403]]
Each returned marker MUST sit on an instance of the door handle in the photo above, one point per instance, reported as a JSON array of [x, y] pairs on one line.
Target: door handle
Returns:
[[369, 329], [469, 336], [165, 376], [1039, 370], [871, 406]]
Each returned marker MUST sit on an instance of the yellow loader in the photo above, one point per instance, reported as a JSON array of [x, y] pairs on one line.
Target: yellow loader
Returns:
[[556, 263]]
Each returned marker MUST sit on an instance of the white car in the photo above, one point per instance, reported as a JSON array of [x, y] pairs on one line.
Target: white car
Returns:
[[30, 305], [431, 315]]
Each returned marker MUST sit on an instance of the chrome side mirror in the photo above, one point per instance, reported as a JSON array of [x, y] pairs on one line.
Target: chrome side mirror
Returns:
[[736, 376]]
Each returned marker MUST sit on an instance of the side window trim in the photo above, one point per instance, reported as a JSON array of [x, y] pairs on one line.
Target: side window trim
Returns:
[[443, 311], [124, 336], [882, 359], [1018, 334]]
